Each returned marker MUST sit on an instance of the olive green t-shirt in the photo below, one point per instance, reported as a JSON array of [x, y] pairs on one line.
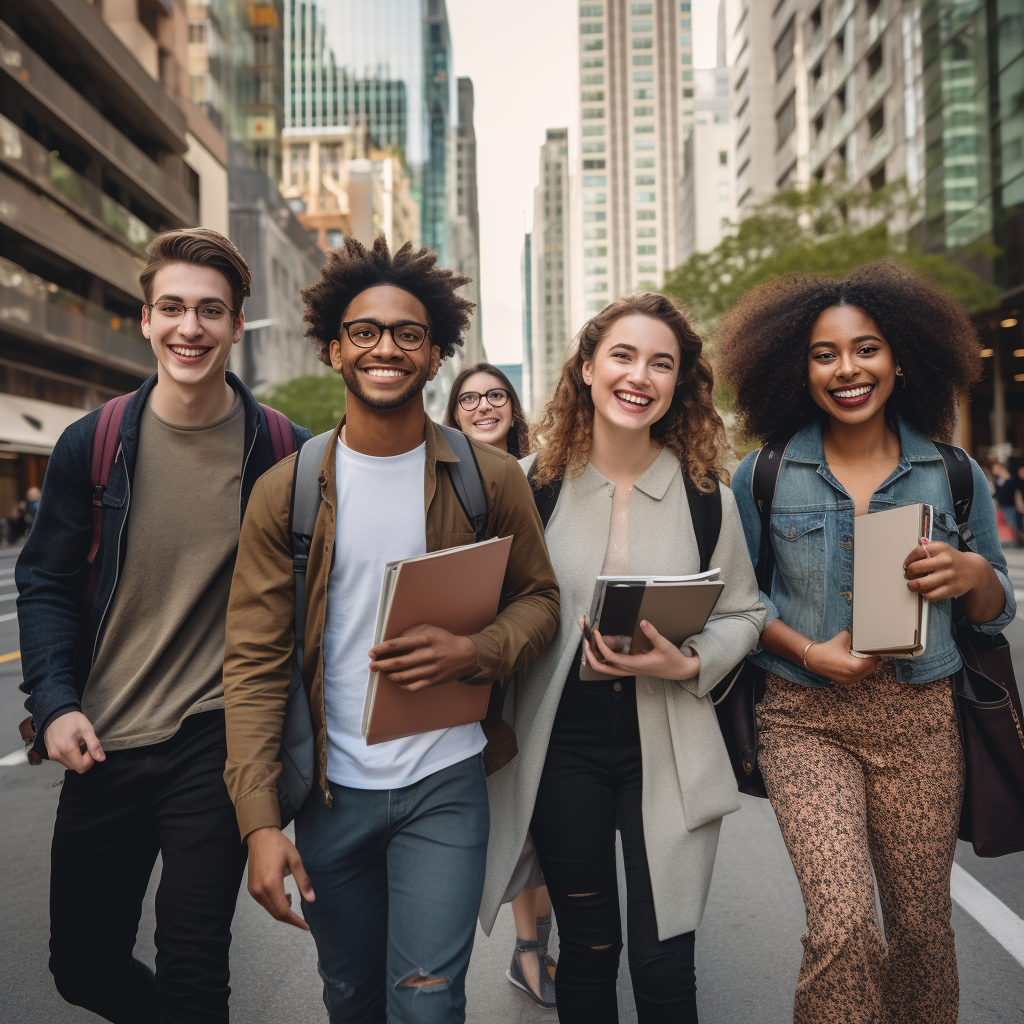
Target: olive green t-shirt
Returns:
[[161, 653]]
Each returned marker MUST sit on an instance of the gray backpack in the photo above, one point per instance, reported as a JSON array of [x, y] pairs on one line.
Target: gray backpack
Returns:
[[297, 754]]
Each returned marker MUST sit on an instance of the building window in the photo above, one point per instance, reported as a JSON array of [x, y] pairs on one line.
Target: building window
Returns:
[[646, 197], [785, 120], [593, 147], [643, 43], [596, 251], [643, 144], [646, 232], [643, 76], [593, 114], [874, 61], [642, 59], [591, 234], [877, 180], [593, 80], [592, 216], [593, 62], [815, 19], [597, 270], [645, 214], [641, 9], [643, 129], [743, 108], [876, 122], [593, 44], [647, 250], [590, 11], [743, 167], [594, 180], [644, 161], [643, 26], [784, 48], [643, 94], [723, 157], [644, 179], [591, 28], [593, 165], [643, 111], [592, 96], [594, 198]]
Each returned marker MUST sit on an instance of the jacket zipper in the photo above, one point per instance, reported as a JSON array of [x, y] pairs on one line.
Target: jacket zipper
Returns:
[[117, 563], [241, 482]]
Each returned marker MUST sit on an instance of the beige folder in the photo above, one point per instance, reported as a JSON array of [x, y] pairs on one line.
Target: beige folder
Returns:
[[888, 618], [457, 589]]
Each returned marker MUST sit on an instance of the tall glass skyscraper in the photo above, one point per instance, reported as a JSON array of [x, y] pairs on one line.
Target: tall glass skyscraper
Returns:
[[382, 66]]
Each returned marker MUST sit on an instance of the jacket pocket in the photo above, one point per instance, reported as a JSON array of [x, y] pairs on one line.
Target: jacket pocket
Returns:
[[799, 542]]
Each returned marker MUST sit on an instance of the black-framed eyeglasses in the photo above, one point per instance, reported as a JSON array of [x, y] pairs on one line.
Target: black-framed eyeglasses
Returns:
[[207, 312], [407, 335], [496, 398]]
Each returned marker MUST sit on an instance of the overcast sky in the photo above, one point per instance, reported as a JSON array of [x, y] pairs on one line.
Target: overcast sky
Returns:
[[523, 62]]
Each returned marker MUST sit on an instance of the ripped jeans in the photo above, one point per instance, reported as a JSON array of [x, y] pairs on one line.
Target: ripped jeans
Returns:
[[398, 876], [590, 787]]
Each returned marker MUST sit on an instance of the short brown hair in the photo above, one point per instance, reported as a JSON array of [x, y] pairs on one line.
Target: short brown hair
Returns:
[[201, 247]]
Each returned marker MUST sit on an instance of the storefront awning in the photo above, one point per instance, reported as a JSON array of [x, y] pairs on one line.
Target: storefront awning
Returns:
[[31, 426]]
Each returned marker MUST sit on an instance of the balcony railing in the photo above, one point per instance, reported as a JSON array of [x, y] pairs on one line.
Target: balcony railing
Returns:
[[877, 22], [32, 160], [879, 147], [816, 46], [877, 86], [40, 310], [844, 12], [829, 139]]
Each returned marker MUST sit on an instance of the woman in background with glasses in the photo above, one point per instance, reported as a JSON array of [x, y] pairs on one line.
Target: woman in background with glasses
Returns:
[[484, 405]]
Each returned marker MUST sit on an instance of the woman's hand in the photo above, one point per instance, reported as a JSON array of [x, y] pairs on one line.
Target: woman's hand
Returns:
[[833, 660], [663, 661], [938, 571]]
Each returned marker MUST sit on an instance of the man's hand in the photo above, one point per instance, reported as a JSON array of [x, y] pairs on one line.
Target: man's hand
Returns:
[[272, 856], [424, 656], [71, 741]]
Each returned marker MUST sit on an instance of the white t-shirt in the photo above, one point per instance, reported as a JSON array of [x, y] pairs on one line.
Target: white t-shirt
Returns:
[[380, 518]]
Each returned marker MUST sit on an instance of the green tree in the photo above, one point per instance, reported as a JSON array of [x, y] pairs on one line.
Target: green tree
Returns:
[[828, 230], [316, 403]]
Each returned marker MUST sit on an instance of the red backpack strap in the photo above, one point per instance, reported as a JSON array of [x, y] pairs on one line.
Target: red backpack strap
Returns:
[[282, 440], [106, 443]]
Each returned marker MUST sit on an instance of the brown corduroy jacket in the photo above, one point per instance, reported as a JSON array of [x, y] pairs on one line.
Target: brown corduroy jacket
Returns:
[[258, 649]]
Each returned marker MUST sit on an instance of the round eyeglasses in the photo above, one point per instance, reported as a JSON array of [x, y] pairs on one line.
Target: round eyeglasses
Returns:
[[208, 312], [496, 398], [408, 336]]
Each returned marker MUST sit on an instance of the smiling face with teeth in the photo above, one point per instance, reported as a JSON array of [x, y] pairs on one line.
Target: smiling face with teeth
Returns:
[[851, 368], [633, 373], [385, 377]]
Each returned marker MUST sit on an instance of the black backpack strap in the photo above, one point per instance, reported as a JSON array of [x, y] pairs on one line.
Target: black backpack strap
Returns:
[[546, 497], [960, 477], [305, 506], [765, 478], [467, 480], [706, 516]]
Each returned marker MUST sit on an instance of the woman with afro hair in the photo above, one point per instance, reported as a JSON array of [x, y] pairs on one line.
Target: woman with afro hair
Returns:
[[860, 755]]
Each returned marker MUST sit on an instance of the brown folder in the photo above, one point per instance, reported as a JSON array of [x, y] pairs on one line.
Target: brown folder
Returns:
[[457, 589], [888, 619]]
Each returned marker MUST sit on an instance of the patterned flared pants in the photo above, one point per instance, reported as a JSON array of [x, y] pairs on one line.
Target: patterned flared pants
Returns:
[[863, 776]]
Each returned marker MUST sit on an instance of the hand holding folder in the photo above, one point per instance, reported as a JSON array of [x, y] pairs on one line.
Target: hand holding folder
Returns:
[[455, 591]]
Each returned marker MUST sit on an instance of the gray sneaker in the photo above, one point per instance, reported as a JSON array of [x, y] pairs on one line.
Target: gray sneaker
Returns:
[[546, 998]]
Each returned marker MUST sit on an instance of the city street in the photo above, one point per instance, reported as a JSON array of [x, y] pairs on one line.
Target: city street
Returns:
[[748, 948]]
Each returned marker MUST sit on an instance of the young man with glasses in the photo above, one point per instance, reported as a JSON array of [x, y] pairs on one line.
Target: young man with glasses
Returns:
[[123, 662], [390, 847]]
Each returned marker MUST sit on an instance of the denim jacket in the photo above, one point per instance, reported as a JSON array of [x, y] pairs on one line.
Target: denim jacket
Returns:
[[812, 536], [58, 641]]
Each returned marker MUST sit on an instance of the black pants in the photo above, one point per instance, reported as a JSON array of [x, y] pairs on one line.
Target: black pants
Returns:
[[591, 786], [111, 823]]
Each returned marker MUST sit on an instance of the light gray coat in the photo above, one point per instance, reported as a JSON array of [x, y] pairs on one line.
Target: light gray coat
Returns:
[[688, 784]]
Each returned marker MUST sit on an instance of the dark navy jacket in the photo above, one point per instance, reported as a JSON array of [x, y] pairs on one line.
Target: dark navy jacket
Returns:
[[59, 642]]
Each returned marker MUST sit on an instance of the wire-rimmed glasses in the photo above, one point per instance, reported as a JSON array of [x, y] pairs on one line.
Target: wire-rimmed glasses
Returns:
[[496, 398], [209, 313], [407, 334]]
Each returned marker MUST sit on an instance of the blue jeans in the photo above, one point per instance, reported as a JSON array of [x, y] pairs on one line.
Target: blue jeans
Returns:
[[398, 875]]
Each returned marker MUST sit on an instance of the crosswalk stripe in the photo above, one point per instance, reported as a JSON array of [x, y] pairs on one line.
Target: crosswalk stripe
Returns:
[[989, 911], [18, 757]]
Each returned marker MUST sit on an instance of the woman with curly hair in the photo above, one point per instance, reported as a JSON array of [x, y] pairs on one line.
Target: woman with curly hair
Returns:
[[860, 755], [622, 741]]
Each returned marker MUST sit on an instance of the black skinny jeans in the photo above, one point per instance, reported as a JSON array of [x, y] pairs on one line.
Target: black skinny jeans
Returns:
[[111, 823], [591, 786]]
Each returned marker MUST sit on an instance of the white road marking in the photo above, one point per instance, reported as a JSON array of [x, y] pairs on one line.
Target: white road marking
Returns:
[[7, 618], [990, 912], [9, 597], [18, 757]]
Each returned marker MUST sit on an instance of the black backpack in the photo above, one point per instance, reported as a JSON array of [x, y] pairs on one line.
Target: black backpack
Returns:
[[297, 748]]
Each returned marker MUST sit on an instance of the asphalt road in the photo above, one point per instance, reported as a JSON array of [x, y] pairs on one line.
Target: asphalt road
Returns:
[[748, 949]]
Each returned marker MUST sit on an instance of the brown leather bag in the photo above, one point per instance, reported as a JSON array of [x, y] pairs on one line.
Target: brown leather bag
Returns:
[[988, 709]]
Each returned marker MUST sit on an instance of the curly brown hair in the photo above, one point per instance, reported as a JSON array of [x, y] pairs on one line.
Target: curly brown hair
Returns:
[[352, 270], [692, 427], [762, 348], [518, 439]]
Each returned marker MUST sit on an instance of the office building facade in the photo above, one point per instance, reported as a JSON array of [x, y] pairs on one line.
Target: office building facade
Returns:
[[550, 249], [636, 108], [707, 201], [383, 67], [465, 229]]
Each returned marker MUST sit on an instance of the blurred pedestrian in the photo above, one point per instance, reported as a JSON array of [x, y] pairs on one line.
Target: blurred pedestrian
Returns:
[[861, 756], [124, 668], [17, 524], [483, 404], [629, 435], [394, 834], [32, 496]]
